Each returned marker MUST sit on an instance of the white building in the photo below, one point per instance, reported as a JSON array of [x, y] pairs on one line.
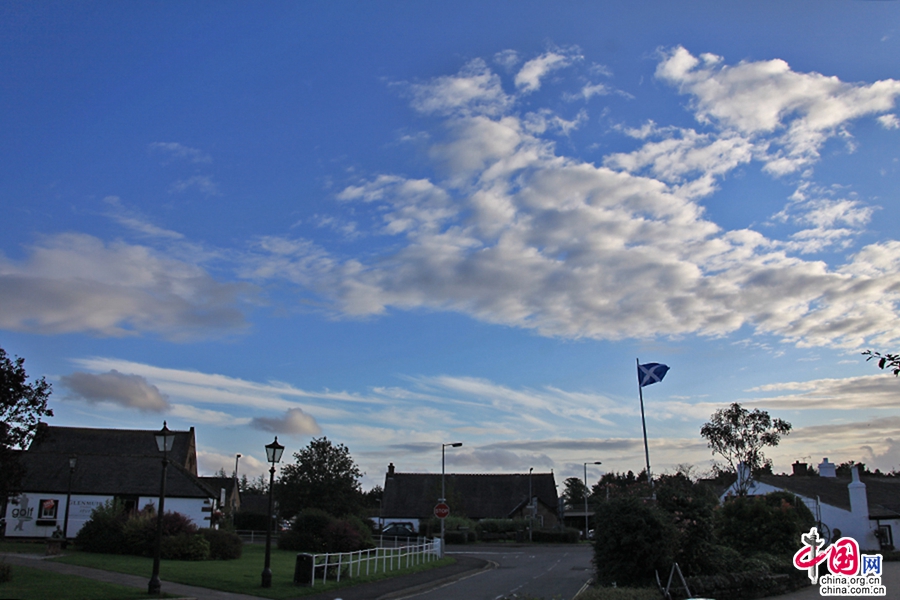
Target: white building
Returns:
[[118, 465], [865, 508]]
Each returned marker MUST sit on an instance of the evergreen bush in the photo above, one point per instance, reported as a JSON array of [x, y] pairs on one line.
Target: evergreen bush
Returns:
[[104, 531], [223, 545], [184, 546]]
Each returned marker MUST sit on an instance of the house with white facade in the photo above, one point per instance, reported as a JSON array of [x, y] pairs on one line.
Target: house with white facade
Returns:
[[74, 470], [865, 508]]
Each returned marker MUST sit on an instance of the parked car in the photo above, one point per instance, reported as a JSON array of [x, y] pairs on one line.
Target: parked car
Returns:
[[399, 530]]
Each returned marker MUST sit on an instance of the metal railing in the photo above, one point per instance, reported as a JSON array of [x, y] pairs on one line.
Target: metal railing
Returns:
[[372, 561], [254, 536]]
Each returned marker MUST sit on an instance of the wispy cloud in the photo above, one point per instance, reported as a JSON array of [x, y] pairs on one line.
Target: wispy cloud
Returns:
[[176, 151]]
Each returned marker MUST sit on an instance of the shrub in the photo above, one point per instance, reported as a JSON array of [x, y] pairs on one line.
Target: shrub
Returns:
[[185, 546], [140, 533], [772, 523], [250, 520], [500, 526], [307, 532], [104, 531], [223, 545], [632, 541], [342, 536]]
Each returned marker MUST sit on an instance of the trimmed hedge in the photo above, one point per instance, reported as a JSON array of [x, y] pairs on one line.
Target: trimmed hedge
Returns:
[[184, 546], [223, 545]]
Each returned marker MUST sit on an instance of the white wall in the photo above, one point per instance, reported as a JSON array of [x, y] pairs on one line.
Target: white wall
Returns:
[[23, 512]]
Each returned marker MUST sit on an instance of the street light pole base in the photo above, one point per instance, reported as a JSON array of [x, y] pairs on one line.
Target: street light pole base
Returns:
[[267, 578], [154, 586]]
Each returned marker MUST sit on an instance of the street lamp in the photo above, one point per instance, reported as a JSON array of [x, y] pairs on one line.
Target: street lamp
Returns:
[[165, 439], [72, 461], [530, 507], [234, 492], [586, 497], [443, 497], [273, 455]]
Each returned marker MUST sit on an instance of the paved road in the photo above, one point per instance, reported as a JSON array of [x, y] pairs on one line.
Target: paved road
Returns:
[[523, 571]]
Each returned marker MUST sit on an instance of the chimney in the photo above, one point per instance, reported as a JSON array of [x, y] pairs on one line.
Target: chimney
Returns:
[[859, 502], [827, 469], [799, 468], [390, 472]]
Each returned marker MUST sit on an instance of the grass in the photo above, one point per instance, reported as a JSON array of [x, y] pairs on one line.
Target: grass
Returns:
[[239, 576], [23, 547], [36, 584]]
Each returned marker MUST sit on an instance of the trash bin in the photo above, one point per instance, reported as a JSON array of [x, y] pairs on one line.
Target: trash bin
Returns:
[[303, 569]]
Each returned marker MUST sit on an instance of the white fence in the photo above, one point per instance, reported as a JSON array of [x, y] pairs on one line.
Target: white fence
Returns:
[[373, 561]]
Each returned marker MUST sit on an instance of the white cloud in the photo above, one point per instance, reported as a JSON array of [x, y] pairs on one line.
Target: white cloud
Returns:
[[889, 121], [518, 234], [761, 98], [293, 422], [175, 150], [202, 183], [77, 283], [528, 79], [131, 391]]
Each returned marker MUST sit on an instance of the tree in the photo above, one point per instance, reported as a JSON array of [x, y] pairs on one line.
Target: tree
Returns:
[[739, 436], [575, 491], [324, 476], [885, 361], [22, 404]]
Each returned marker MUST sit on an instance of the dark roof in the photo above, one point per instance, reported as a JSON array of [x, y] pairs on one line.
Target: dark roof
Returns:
[[83, 441], [218, 483], [883, 493], [414, 495], [108, 475]]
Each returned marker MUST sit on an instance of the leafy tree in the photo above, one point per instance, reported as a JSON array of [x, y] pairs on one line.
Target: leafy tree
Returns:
[[885, 361], [22, 404], [772, 523], [372, 498], [612, 485], [575, 491], [739, 436], [324, 476]]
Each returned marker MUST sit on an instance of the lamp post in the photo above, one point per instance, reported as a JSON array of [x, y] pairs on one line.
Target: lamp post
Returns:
[[530, 507], [443, 497], [72, 461], [234, 492], [586, 497], [273, 455], [165, 439]]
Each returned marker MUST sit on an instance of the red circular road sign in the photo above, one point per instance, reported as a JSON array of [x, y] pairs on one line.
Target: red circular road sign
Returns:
[[441, 510]]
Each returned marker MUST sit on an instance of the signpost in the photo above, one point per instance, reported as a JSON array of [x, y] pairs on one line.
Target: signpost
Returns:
[[441, 510]]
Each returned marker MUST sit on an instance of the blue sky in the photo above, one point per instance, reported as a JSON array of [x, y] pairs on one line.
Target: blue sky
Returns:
[[402, 224]]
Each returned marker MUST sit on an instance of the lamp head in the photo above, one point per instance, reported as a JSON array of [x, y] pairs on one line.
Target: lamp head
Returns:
[[165, 439], [274, 451]]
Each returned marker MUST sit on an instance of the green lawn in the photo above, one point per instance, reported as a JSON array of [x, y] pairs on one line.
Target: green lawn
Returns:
[[35, 584], [239, 576], [22, 547]]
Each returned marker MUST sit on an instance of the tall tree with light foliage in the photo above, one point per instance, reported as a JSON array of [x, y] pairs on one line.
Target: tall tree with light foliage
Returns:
[[22, 405], [739, 436]]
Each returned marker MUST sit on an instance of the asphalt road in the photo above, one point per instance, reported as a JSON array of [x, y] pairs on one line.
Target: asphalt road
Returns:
[[546, 571]]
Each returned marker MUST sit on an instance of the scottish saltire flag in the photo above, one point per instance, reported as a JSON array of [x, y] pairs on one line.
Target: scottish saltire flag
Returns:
[[651, 373]]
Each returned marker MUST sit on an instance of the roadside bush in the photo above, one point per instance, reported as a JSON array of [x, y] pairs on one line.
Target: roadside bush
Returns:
[[772, 523], [633, 540], [104, 531], [500, 525], [223, 545], [316, 531], [185, 546], [250, 520]]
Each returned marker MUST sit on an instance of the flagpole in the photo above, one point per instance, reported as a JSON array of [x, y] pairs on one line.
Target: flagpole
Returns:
[[644, 424]]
